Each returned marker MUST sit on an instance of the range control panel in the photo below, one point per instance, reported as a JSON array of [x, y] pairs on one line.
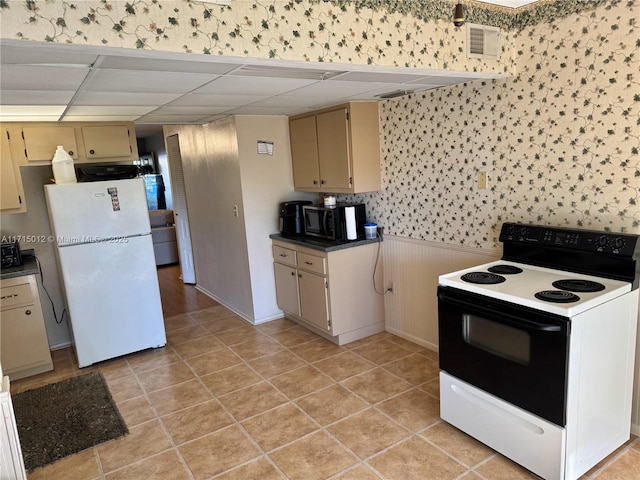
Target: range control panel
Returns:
[[623, 244]]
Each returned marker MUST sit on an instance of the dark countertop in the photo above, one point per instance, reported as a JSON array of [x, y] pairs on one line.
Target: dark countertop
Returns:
[[321, 244], [29, 266]]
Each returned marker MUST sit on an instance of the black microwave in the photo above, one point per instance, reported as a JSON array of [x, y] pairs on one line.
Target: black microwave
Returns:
[[330, 222]]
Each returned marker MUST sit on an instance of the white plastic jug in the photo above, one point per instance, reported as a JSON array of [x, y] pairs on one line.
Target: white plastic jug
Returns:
[[63, 169]]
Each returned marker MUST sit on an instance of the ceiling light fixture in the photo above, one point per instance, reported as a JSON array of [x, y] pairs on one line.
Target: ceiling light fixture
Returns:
[[458, 15]]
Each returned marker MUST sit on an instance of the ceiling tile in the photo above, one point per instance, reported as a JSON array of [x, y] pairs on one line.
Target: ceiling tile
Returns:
[[171, 119], [99, 111], [337, 89], [27, 77], [185, 110], [35, 97], [164, 65], [253, 85], [251, 110], [29, 118], [216, 100], [124, 98], [99, 118], [47, 110], [50, 55], [289, 101], [141, 81]]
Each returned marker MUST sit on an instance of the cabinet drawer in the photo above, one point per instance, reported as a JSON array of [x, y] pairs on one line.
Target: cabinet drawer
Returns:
[[16, 296], [311, 263], [284, 255]]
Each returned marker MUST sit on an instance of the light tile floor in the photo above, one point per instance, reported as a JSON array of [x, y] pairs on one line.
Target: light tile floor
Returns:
[[228, 400]]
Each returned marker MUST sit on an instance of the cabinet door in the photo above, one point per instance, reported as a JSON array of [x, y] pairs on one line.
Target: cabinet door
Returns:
[[314, 299], [10, 197], [107, 141], [304, 153], [40, 142], [287, 288], [23, 339], [333, 150]]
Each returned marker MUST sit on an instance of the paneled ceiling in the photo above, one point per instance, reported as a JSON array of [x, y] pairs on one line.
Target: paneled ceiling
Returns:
[[65, 82]]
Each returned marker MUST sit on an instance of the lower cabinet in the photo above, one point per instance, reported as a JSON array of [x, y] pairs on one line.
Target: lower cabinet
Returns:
[[330, 292], [24, 348], [287, 288]]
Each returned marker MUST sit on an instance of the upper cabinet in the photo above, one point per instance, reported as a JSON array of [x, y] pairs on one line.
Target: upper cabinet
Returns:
[[85, 143], [337, 149], [11, 194], [108, 141], [40, 142]]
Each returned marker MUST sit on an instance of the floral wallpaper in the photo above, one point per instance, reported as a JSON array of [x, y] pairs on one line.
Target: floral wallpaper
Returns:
[[559, 138]]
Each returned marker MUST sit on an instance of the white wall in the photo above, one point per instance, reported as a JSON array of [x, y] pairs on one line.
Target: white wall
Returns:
[[232, 254], [34, 225], [267, 180]]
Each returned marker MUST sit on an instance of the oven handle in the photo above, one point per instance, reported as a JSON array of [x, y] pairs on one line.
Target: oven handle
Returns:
[[511, 319]]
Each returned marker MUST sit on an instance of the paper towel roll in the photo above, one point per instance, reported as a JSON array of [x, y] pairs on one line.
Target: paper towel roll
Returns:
[[350, 221]]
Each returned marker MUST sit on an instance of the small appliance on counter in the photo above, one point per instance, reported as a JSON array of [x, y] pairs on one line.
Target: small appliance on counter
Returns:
[[99, 173], [291, 217], [333, 223], [11, 256]]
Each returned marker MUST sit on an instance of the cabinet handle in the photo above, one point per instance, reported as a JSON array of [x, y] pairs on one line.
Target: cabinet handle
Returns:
[[293, 274], [309, 263], [283, 255], [299, 275], [92, 152], [71, 152], [315, 182], [27, 312], [322, 182]]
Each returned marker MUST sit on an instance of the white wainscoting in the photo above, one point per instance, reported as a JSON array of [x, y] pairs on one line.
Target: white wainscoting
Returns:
[[413, 266], [635, 410], [411, 310]]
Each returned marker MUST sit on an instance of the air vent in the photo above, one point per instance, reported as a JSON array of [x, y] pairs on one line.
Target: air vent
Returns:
[[482, 41]]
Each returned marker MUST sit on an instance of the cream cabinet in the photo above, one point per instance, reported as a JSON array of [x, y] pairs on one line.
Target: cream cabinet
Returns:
[[12, 194], [24, 348], [35, 144], [330, 292], [109, 141], [337, 149], [40, 142]]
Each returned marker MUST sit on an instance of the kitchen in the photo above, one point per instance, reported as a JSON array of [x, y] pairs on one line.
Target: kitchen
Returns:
[[541, 137]]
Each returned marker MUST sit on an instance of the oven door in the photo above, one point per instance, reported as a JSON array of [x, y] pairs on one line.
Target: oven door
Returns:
[[516, 353]]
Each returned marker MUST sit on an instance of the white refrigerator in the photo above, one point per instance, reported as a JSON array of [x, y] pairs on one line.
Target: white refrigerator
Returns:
[[103, 243]]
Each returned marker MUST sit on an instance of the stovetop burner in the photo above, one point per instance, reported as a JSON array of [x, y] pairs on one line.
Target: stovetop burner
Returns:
[[484, 278], [578, 285], [505, 269], [557, 296]]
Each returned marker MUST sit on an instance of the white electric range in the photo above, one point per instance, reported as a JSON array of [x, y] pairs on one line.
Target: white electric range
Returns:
[[537, 349]]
